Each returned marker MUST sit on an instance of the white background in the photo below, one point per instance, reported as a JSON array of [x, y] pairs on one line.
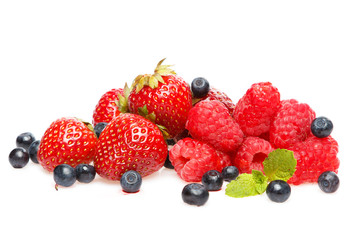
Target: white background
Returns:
[[58, 57]]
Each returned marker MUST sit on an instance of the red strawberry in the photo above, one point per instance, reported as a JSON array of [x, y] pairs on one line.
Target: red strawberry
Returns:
[[215, 94], [210, 122], [251, 154], [192, 158], [166, 96], [255, 110], [67, 140], [314, 156], [291, 124], [108, 106], [129, 142]]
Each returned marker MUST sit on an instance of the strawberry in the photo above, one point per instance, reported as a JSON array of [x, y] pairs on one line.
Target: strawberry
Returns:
[[108, 106], [67, 141], [129, 142], [164, 96]]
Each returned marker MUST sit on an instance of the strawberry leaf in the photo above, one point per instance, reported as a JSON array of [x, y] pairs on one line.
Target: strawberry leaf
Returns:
[[153, 83], [141, 83], [144, 112], [87, 124], [152, 80], [122, 103], [164, 131], [164, 69], [159, 78]]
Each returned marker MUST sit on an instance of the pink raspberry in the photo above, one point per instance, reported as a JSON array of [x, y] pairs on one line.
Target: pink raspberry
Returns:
[[192, 158], [291, 124], [224, 160], [254, 111], [251, 154], [210, 122], [215, 94], [314, 156]]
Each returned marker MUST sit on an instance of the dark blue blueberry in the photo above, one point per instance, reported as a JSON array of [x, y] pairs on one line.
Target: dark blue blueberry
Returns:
[[99, 128], [195, 194], [200, 87], [230, 173], [168, 163], [321, 127], [64, 175], [85, 173], [212, 180], [131, 181], [18, 157], [33, 150], [170, 142], [278, 191], [24, 140], [329, 182]]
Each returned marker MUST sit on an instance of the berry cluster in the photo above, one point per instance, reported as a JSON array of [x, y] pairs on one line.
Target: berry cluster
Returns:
[[26, 148], [260, 123], [161, 120]]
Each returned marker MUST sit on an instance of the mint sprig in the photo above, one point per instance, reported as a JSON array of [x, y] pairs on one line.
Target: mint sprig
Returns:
[[247, 185], [279, 165]]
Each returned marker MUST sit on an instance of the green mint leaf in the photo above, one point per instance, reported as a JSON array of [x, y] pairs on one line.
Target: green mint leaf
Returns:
[[242, 186], [280, 165], [247, 185], [260, 180]]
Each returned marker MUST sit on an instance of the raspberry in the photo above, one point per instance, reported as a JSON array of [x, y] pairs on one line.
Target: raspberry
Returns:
[[254, 111], [192, 158], [210, 122], [314, 156], [251, 154], [224, 161], [215, 94], [291, 123]]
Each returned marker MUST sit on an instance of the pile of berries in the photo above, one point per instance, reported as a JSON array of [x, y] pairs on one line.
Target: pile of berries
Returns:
[[161, 120]]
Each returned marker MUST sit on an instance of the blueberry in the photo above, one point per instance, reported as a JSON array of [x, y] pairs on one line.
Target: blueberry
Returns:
[[195, 194], [170, 142], [321, 127], [278, 191], [33, 150], [329, 182], [24, 140], [200, 87], [99, 128], [85, 173], [168, 163], [131, 181], [212, 180], [18, 157], [64, 175], [230, 173]]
